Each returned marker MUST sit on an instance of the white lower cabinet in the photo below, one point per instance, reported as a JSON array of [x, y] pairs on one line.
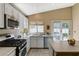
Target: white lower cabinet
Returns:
[[40, 42], [12, 53], [33, 42], [50, 50], [28, 45], [36, 42]]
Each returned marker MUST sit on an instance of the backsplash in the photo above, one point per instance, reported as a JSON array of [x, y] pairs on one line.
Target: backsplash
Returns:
[[4, 31]]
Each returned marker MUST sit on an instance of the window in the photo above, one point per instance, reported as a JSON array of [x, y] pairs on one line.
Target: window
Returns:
[[36, 28], [33, 29], [40, 28]]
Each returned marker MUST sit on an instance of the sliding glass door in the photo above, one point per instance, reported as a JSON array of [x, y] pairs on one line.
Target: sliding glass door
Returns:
[[61, 29]]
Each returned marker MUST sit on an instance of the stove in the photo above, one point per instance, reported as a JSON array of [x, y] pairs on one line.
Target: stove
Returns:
[[20, 45]]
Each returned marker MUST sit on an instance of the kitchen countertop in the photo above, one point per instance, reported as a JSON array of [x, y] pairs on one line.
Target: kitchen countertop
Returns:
[[63, 48], [42, 36], [5, 51]]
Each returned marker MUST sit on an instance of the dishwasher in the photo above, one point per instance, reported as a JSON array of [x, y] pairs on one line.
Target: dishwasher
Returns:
[[46, 38], [45, 42]]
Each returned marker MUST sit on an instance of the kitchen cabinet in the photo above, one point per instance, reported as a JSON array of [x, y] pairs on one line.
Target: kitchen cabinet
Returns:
[[37, 42], [15, 14], [28, 44], [40, 42], [33, 42], [12, 53], [7, 51], [2, 15], [21, 21], [8, 9], [50, 49], [25, 22], [11, 11]]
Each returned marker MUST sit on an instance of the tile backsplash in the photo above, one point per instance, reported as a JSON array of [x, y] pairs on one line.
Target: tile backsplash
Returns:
[[4, 31]]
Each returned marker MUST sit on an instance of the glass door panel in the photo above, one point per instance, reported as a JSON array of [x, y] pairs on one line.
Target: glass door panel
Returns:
[[65, 31], [57, 31], [61, 30]]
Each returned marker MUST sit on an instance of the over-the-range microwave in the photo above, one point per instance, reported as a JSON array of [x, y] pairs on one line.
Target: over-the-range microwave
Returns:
[[10, 22]]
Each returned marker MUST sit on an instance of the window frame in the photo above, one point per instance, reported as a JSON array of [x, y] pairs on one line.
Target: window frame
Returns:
[[37, 30]]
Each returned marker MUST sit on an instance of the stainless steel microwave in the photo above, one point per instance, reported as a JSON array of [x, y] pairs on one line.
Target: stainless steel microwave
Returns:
[[10, 22]]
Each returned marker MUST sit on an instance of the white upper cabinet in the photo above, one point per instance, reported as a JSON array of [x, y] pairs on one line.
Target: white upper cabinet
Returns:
[[21, 21], [28, 44], [15, 14], [25, 22], [8, 9], [2, 15], [11, 11]]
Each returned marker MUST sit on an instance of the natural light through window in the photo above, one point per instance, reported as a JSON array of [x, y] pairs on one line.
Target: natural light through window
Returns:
[[36, 28]]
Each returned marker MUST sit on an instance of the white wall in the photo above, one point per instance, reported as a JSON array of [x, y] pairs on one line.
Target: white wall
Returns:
[[75, 17]]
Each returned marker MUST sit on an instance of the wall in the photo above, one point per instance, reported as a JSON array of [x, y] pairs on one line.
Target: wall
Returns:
[[47, 17], [75, 14]]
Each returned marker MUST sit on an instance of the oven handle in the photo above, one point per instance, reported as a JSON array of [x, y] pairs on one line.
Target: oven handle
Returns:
[[23, 45], [22, 50]]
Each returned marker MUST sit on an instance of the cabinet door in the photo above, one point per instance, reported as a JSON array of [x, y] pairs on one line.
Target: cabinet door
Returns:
[[40, 43], [15, 14], [28, 45], [12, 53], [8, 9], [33, 42], [21, 21], [1, 15], [25, 22]]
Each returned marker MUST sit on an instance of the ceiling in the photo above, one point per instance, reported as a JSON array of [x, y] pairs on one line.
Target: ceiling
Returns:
[[33, 8]]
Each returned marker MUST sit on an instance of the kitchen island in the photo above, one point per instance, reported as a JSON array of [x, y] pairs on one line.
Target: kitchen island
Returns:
[[62, 48]]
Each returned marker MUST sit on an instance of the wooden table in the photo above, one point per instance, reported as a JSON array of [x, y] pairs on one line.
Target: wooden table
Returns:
[[62, 48]]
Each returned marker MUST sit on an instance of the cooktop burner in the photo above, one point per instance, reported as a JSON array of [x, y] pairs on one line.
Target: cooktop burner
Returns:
[[12, 42]]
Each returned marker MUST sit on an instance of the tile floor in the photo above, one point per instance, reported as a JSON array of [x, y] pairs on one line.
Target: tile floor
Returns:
[[38, 52]]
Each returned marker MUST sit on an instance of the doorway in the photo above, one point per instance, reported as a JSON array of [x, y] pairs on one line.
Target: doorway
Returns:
[[62, 29]]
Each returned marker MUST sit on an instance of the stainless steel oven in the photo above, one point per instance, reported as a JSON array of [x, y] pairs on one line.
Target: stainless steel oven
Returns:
[[20, 45], [22, 51]]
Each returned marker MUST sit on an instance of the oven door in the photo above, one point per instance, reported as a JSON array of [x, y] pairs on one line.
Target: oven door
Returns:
[[23, 51]]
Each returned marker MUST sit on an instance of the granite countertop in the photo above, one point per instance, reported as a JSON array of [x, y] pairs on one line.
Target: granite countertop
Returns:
[[5, 51]]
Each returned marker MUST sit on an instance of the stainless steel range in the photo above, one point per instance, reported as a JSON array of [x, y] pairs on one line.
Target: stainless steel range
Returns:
[[20, 45]]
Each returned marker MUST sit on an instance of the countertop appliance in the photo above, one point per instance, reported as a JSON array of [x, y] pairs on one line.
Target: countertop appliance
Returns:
[[20, 45]]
